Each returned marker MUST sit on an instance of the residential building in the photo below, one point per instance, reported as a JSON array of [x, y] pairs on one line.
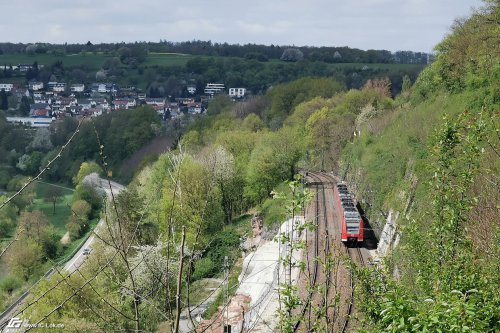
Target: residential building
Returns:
[[86, 103], [191, 89], [6, 86], [24, 67], [78, 88], [36, 109], [160, 109], [214, 88], [35, 85], [184, 100], [57, 86], [41, 113], [121, 104], [155, 101], [237, 92], [194, 108], [33, 122], [92, 112]]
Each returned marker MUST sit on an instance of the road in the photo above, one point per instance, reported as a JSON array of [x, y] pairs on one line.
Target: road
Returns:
[[78, 258]]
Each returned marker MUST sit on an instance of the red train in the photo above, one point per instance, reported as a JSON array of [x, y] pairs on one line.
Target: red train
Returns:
[[352, 223]]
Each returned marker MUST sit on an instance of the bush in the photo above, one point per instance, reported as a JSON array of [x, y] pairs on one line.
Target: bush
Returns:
[[9, 283], [50, 241], [74, 228], [223, 244], [87, 193], [25, 258], [273, 211], [86, 168], [82, 209], [203, 268]]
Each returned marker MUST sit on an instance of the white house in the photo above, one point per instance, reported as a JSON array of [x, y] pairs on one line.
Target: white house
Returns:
[[155, 101], [214, 88], [237, 92], [78, 87], [35, 85], [6, 86], [191, 89], [124, 104], [102, 88], [59, 87]]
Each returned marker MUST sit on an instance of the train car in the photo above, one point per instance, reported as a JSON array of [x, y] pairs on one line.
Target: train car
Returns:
[[351, 221]]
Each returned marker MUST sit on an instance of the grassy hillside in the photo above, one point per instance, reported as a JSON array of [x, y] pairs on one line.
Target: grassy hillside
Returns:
[[434, 159]]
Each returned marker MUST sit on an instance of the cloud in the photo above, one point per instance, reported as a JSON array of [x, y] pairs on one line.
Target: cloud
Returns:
[[379, 24]]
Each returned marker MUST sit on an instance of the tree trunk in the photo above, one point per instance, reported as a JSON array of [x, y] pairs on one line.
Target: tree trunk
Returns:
[[179, 283]]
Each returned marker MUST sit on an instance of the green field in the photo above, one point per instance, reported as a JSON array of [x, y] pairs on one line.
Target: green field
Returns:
[[377, 66], [92, 61], [167, 59], [63, 210]]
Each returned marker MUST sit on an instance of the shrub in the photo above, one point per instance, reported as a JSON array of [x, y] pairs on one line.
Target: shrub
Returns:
[[203, 268], [82, 209], [10, 283], [74, 228]]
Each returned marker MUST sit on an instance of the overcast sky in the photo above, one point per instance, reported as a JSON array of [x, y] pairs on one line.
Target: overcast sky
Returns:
[[367, 24]]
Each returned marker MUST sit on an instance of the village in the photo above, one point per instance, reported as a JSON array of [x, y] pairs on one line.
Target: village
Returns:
[[55, 100]]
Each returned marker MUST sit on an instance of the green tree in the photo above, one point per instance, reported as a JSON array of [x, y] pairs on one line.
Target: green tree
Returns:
[[54, 195], [406, 84], [24, 107], [218, 104], [33, 223], [86, 168], [74, 227], [272, 161], [90, 195], [81, 208], [8, 215], [4, 100], [25, 257], [253, 123]]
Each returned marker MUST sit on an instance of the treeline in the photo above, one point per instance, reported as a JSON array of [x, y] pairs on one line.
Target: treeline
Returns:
[[207, 48]]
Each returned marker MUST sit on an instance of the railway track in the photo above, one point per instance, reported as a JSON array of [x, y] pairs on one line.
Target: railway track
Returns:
[[341, 319], [308, 300], [352, 252]]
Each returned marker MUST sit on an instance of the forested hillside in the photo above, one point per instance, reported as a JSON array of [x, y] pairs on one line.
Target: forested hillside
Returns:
[[430, 155]]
